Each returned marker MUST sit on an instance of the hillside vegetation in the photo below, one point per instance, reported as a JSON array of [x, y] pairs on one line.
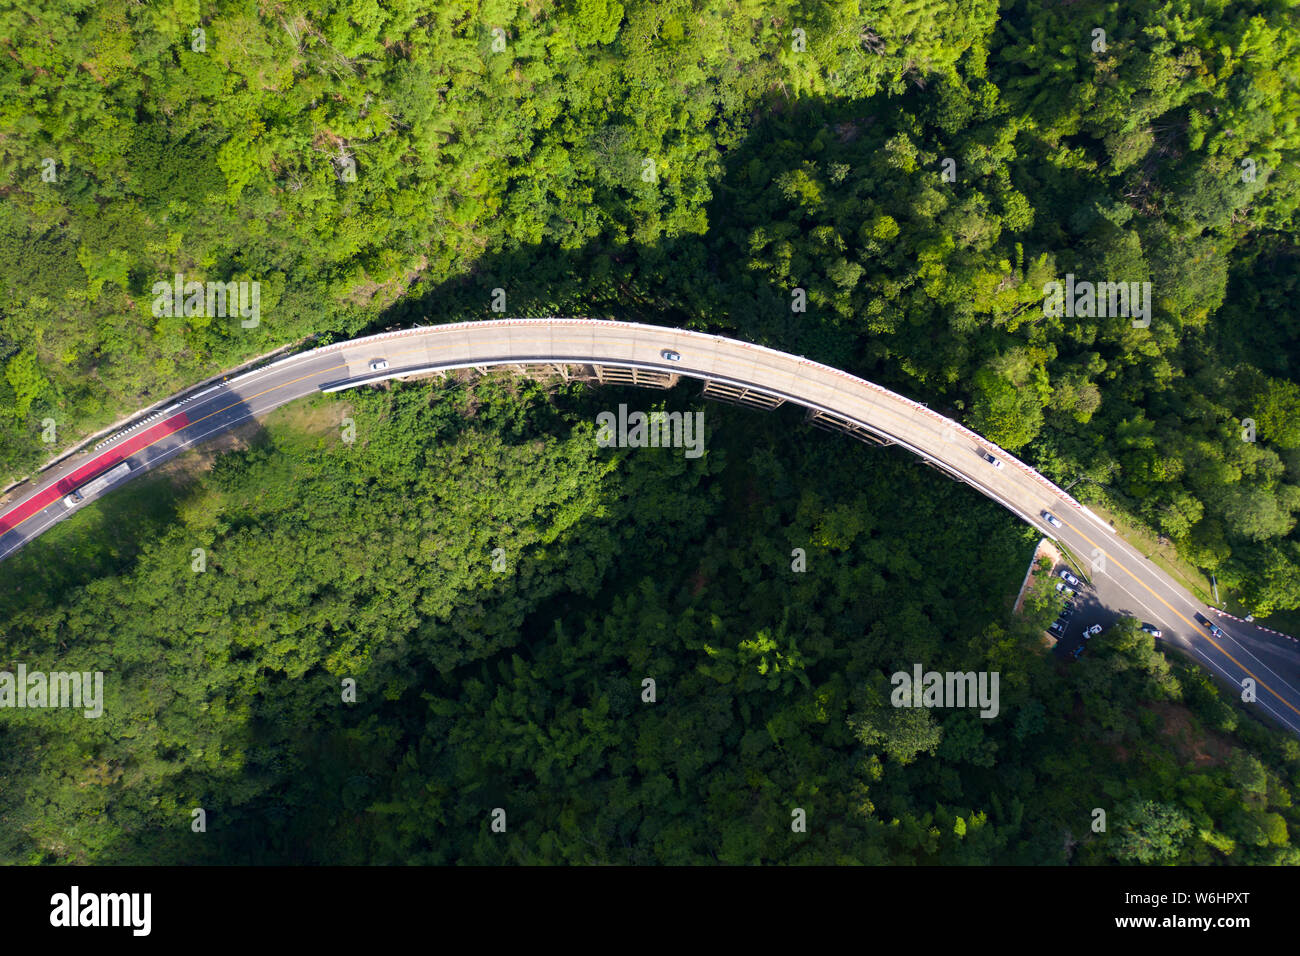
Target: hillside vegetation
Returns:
[[695, 163], [499, 588]]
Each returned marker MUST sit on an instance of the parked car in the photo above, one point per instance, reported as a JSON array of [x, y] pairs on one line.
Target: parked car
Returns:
[[1069, 578], [1078, 650], [1066, 590], [1051, 519], [671, 356], [1092, 632], [990, 459], [1056, 627], [1153, 631], [378, 365]]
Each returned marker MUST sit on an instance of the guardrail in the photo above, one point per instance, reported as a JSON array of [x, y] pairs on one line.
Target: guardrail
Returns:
[[923, 409]]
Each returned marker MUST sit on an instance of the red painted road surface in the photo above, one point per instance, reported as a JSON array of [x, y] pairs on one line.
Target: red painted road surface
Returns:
[[119, 452]]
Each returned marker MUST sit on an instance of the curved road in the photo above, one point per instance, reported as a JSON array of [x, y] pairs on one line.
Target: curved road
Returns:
[[849, 401]]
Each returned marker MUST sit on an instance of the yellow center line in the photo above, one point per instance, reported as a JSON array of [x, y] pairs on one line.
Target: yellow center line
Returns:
[[893, 413], [1193, 624], [250, 398], [188, 425], [244, 401]]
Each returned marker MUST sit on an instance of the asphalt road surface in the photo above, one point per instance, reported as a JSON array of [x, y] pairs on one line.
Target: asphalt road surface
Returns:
[[1125, 581]]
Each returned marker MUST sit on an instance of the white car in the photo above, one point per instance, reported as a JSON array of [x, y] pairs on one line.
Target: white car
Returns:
[[1051, 519], [1067, 591], [1092, 631], [1069, 578], [671, 356], [378, 365], [990, 459]]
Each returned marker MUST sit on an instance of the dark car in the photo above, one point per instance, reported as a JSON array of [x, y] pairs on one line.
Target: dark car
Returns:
[[1214, 628], [1078, 650]]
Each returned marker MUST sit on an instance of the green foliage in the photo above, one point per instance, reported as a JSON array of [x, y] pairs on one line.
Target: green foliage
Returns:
[[526, 688], [694, 163], [1149, 832], [776, 166]]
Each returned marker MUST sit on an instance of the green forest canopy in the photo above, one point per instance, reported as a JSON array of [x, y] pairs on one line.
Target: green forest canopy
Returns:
[[693, 163], [522, 688], [683, 163]]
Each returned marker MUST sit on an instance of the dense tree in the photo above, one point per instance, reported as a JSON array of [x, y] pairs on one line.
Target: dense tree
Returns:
[[645, 679], [921, 171]]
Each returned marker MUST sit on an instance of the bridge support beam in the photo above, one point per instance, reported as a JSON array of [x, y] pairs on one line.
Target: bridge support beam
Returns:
[[542, 370], [643, 378], [943, 471], [833, 423], [579, 372], [740, 395]]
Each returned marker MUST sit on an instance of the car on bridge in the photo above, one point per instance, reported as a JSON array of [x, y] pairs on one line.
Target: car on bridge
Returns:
[[671, 356], [1051, 519], [990, 459], [378, 365]]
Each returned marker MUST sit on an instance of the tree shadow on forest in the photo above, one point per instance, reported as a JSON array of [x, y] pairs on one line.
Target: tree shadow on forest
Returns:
[[692, 281]]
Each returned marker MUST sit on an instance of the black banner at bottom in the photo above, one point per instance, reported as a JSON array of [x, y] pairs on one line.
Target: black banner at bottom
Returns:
[[335, 905]]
